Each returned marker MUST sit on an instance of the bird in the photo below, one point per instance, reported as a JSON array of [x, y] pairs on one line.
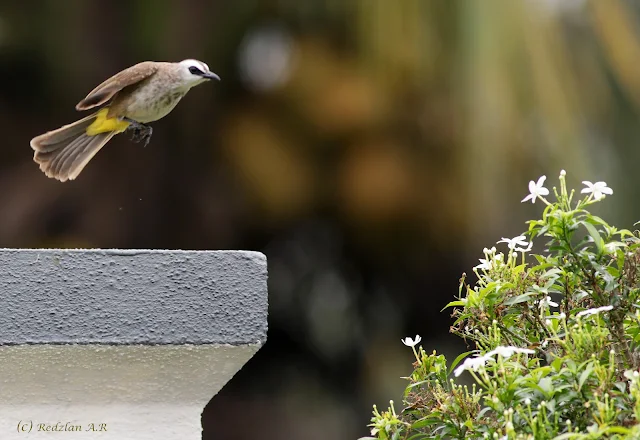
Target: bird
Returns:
[[129, 100]]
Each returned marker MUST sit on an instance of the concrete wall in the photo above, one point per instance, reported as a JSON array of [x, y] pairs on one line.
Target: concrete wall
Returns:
[[132, 342]]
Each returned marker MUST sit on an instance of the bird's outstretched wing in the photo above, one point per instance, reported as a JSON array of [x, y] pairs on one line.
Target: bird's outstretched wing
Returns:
[[105, 91]]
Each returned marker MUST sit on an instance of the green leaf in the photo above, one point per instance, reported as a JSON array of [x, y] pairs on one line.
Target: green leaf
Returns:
[[584, 376], [540, 371], [557, 364], [537, 387], [519, 299], [617, 430], [597, 220], [546, 385], [542, 260], [417, 384], [459, 303], [424, 422], [597, 239], [518, 269], [418, 436], [558, 249], [625, 233], [622, 386]]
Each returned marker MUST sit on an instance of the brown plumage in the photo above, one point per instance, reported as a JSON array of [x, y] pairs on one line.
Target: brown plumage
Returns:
[[129, 77], [135, 96]]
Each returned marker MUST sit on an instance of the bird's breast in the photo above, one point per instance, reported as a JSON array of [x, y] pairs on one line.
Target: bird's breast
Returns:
[[150, 103]]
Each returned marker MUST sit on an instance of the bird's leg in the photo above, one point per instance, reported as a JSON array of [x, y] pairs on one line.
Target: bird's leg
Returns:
[[141, 132]]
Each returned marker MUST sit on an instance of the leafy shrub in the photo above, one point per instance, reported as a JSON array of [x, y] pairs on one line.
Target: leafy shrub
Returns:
[[555, 335]]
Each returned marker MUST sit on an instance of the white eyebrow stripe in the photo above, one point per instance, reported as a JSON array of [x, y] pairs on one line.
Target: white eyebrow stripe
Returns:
[[195, 63]]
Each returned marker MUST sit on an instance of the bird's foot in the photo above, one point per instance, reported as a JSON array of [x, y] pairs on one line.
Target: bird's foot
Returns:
[[141, 132]]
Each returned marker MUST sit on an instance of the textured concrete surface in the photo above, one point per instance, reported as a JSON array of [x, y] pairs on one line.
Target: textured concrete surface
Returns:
[[132, 297]]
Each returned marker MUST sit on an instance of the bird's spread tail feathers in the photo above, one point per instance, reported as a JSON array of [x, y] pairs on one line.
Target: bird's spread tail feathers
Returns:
[[63, 153]]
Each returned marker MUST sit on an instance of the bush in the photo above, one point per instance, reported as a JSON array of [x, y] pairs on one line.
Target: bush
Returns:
[[555, 334]]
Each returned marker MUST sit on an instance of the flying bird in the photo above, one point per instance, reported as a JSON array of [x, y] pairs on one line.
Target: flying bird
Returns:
[[130, 99]]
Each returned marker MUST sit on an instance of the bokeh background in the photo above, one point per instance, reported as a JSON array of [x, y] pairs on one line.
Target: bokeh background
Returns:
[[370, 148]]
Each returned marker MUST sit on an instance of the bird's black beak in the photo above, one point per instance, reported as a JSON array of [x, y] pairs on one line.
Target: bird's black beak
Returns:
[[211, 75]]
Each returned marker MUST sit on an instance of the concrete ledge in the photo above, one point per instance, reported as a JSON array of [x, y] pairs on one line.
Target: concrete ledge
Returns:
[[123, 344], [129, 297]]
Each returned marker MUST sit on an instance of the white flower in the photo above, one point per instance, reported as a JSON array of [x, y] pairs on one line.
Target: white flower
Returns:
[[471, 364], [527, 249], [527, 401], [491, 260], [411, 342], [546, 302], [520, 240], [612, 246], [598, 189], [484, 265], [536, 190], [594, 311], [563, 173], [507, 352]]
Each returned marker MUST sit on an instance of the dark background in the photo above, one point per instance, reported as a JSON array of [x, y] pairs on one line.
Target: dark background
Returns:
[[370, 148]]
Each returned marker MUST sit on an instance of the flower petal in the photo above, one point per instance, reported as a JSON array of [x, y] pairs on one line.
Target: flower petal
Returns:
[[531, 197], [594, 311]]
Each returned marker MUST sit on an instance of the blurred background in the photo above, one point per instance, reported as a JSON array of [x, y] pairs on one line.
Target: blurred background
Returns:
[[370, 148]]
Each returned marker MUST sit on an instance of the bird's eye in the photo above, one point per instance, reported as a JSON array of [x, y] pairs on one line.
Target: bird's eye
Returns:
[[195, 70]]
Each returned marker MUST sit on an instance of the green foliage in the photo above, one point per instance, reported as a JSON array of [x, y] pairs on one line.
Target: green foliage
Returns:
[[556, 337]]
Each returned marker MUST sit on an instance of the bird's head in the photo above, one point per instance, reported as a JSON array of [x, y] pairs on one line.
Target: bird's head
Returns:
[[194, 72]]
